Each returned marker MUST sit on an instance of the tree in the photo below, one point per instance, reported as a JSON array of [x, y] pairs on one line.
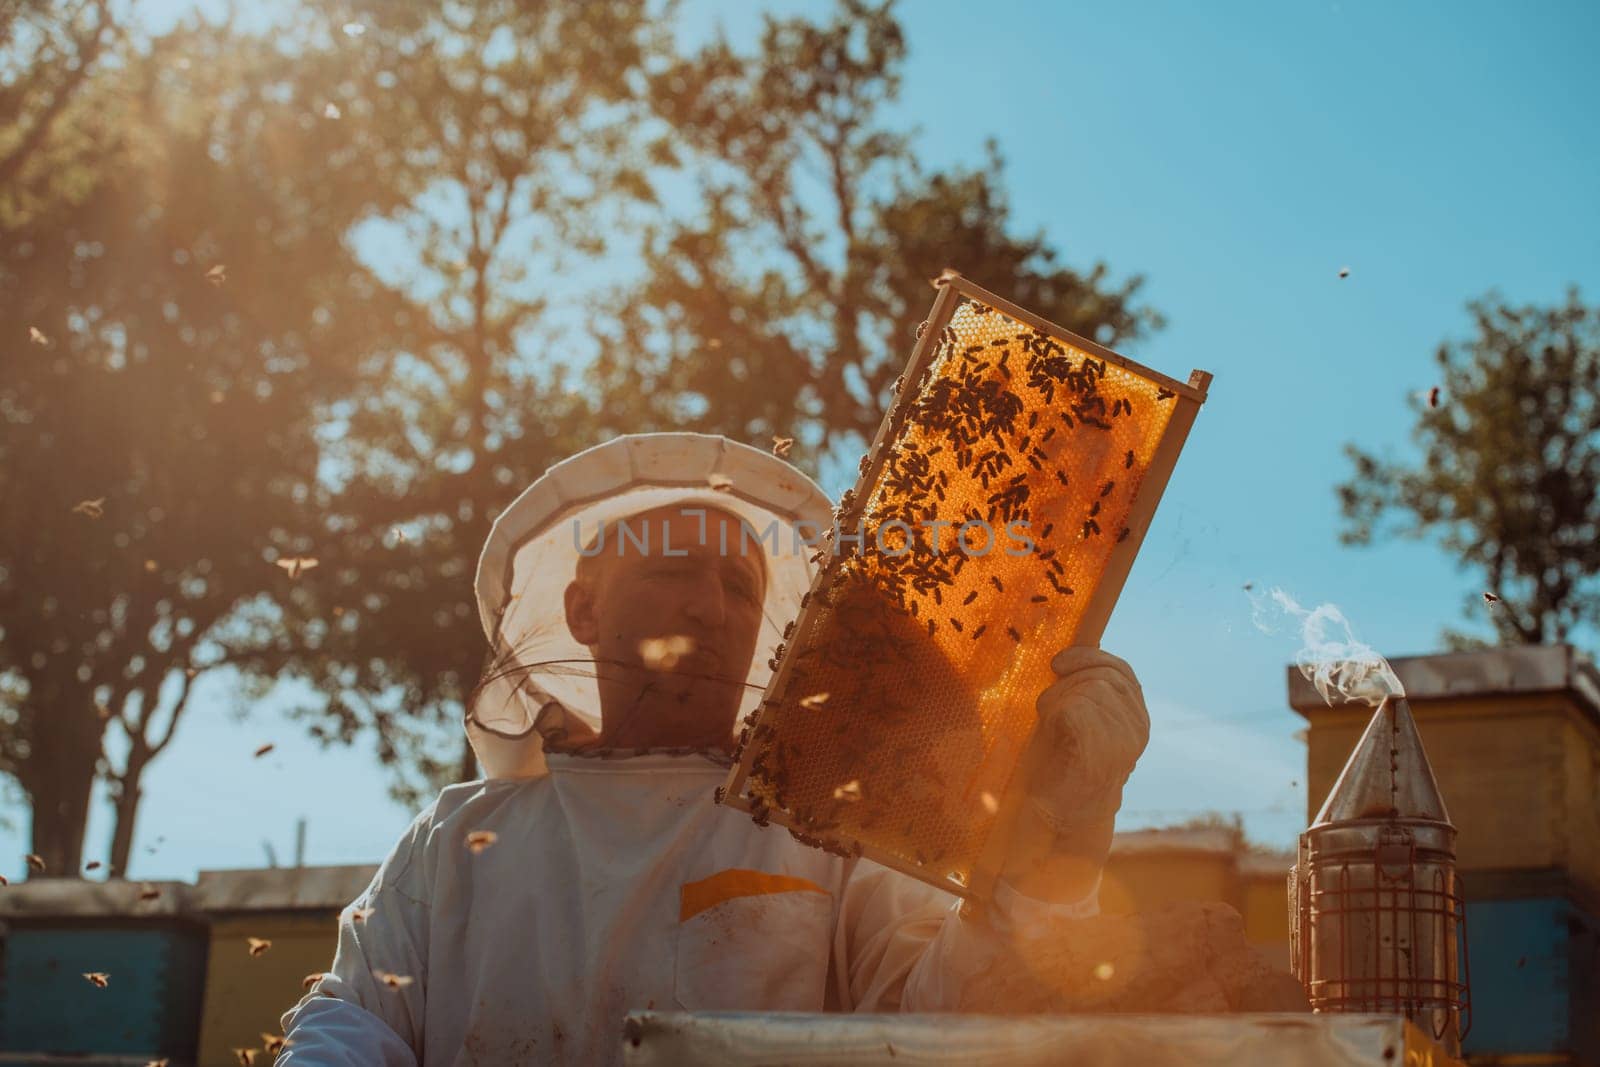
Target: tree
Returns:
[[511, 128], [1510, 469], [167, 345], [788, 302]]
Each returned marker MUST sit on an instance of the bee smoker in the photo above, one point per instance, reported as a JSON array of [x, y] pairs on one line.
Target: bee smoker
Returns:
[[1375, 910]]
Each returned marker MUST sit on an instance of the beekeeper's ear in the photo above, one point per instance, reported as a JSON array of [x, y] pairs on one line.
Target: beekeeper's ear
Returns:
[[582, 621]]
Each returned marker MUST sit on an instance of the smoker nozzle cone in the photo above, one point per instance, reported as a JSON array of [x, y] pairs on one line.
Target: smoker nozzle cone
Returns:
[[1388, 775]]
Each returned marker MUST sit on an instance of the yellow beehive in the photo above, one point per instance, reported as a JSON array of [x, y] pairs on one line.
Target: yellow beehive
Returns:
[[999, 510], [297, 910]]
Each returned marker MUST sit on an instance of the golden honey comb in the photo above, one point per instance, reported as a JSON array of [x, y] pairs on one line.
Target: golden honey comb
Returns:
[[904, 699]]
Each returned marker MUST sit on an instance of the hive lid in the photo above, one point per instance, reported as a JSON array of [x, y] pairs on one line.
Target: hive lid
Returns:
[[1388, 775]]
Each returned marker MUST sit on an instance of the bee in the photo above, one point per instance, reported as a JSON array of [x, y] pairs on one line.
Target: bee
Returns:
[[1127, 461], [979, 631], [931, 627], [956, 623], [273, 1043], [1490, 598], [1061, 477], [1038, 599], [247, 1056], [393, 981], [1012, 630], [478, 840], [1094, 509], [361, 915], [297, 565], [996, 583], [781, 446], [1433, 397], [264, 749], [1044, 533], [1106, 489], [1344, 272], [1164, 394], [258, 945], [93, 508], [1122, 536], [970, 598], [148, 892], [35, 863], [219, 272], [98, 979]]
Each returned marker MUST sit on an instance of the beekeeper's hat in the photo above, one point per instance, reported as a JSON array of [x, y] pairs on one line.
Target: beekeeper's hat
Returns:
[[534, 546]]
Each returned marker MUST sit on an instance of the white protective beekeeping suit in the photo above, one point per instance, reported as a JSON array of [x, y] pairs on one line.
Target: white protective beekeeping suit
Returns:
[[616, 884]]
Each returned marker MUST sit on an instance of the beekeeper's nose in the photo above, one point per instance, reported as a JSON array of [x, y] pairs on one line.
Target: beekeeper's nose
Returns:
[[706, 600]]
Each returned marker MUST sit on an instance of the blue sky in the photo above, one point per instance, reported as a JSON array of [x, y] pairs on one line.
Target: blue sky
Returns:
[[1238, 155]]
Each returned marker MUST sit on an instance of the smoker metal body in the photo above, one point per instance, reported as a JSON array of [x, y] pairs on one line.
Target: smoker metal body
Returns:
[[1375, 908]]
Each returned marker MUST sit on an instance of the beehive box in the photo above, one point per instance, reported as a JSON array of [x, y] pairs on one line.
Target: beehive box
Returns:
[[297, 909], [999, 511], [151, 951]]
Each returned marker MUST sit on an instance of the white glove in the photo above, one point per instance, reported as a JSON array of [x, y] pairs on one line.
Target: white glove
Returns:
[[1093, 726]]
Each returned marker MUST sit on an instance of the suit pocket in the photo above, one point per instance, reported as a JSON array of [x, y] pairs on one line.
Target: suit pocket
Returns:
[[752, 941]]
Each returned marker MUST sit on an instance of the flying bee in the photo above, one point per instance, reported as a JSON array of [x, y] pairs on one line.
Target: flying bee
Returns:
[[35, 863], [297, 565], [393, 981], [98, 979], [1490, 598], [93, 508], [274, 1043], [311, 979], [361, 915], [258, 945], [781, 446], [247, 1056], [264, 749], [478, 840]]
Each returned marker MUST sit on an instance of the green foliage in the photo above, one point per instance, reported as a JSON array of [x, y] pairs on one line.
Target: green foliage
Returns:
[[786, 303], [1510, 469]]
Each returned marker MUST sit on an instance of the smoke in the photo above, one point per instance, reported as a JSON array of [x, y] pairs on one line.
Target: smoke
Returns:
[[1330, 656]]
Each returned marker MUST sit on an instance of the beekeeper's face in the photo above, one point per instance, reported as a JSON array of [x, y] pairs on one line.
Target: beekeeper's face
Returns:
[[671, 614]]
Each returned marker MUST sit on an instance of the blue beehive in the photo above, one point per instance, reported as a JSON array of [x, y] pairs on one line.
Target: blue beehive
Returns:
[[1535, 978], [153, 952]]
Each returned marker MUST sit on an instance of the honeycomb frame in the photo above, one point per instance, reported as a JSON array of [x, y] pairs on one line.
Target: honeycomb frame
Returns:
[[931, 789]]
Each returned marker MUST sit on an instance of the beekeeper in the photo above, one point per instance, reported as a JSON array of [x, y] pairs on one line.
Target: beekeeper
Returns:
[[590, 873]]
